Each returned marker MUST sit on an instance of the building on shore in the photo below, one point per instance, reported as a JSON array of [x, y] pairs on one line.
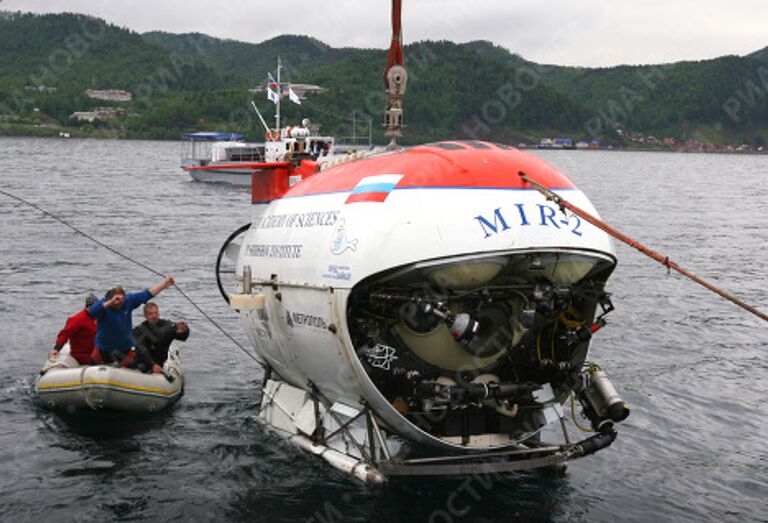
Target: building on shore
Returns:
[[111, 95], [41, 88], [101, 114]]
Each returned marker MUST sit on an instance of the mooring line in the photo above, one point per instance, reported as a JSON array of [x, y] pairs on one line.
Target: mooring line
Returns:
[[134, 261], [664, 260]]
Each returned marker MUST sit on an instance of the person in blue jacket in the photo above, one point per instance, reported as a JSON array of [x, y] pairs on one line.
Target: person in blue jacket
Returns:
[[114, 332]]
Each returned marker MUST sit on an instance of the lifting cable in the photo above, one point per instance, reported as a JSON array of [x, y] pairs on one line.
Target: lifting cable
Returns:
[[664, 260], [134, 261]]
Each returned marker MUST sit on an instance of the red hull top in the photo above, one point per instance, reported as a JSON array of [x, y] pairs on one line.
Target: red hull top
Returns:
[[468, 165]]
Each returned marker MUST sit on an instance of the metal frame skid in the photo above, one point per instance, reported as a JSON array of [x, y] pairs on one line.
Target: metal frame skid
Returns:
[[354, 440]]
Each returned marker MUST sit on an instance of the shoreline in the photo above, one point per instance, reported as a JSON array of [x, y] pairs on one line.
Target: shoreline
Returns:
[[55, 133]]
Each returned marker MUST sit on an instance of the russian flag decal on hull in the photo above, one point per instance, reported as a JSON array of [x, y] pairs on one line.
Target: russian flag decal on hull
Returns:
[[374, 188]]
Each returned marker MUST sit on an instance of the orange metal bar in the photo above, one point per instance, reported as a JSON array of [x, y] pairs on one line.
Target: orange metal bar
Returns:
[[664, 260], [395, 56]]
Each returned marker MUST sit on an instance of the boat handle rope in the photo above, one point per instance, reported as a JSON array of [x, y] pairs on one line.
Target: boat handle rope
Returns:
[[134, 261], [664, 260]]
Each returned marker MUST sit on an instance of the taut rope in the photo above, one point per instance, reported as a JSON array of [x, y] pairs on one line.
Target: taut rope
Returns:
[[134, 261], [664, 260]]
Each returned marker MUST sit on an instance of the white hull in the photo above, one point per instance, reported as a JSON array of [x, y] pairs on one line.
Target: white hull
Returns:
[[231, 161], [341, 276], [66, 385], [236, 177]]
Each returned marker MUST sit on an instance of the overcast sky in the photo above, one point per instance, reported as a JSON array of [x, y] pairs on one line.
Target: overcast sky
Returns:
[[563, 32]]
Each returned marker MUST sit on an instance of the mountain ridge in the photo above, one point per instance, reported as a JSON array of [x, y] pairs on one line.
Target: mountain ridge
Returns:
[[477, 89]]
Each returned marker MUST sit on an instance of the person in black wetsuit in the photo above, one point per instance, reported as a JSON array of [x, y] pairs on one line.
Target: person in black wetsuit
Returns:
[[153, 337]]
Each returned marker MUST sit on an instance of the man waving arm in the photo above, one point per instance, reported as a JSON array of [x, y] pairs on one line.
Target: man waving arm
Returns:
[[157, 289]]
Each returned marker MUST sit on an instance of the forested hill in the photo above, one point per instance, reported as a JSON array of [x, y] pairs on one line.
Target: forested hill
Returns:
[[761, 55], [453, 91], [722, 99], [196, 82], [243, 64], [81, 51]]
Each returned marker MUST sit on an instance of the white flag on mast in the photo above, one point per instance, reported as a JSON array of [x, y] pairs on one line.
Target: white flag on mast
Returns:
[[273, 93], [293, 96]]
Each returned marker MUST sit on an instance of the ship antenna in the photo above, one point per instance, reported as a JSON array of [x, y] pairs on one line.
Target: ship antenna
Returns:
[[279, 93], [395, 79]]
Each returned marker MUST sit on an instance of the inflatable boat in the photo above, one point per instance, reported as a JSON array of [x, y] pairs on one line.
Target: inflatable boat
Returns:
[[64, 384]]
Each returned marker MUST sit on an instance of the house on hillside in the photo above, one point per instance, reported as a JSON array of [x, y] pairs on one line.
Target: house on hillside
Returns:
[[111, 95], [101, 114], [41, 88]]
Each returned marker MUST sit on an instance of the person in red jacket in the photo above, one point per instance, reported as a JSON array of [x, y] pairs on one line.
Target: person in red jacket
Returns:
[[80, 331]]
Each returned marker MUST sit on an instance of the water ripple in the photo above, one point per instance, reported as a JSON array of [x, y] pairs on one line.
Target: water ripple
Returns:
[[691, 365]]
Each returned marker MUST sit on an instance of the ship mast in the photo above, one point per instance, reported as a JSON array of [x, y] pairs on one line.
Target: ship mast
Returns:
[[279, 93], [395, 79]]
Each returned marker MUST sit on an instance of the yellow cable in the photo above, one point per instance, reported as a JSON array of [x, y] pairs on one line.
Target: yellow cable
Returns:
[[572, 323], [538, 345], [573, 415]]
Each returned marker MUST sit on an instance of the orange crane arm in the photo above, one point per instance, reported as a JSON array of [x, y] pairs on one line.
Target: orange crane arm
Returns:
[[396, 47]]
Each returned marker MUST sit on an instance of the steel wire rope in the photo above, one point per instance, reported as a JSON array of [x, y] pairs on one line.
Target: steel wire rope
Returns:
[[137, 262]]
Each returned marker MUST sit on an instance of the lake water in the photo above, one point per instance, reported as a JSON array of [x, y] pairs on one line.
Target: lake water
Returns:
[[692, 365]]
